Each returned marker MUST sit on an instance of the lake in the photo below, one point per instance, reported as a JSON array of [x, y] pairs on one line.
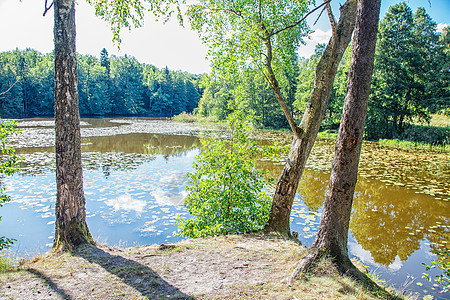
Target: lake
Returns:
[[135, 179]]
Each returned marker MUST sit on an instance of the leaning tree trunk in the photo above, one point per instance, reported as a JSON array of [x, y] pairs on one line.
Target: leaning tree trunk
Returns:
[[70, 226], [332, 235], [309, 127]]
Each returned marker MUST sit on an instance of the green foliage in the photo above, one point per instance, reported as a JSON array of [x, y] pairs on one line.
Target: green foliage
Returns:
[[410, 75], [413, 145], [442, 263], [225, 190], [191, 118], [109, 86], [6, 263], [306, 83], [234, 29], [252, 44], [251, 93], [33, 76], [130, 13], [8, 165]]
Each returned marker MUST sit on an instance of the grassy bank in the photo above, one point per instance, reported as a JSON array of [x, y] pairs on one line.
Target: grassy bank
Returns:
[[408, 145], [434, 136], [225, 267], [191, 118]]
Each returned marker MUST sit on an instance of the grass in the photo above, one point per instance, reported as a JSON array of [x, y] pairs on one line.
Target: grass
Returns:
[[6, 263], [328, 134], [193, 118], [414, 145], [434, 136], [440, 120]]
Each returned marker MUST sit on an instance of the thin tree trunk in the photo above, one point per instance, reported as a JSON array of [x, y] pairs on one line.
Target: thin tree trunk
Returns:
[[314, 113], [332, 235], [70, 226]]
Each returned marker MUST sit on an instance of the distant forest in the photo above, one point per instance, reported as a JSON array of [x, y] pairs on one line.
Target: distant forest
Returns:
[[109, 86]]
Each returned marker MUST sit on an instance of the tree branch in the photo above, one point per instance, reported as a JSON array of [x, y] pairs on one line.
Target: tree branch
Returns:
[[332, 21], [301, 20], [2, 93], [318, 17], [276, 86], [260, 11], [47, 8]]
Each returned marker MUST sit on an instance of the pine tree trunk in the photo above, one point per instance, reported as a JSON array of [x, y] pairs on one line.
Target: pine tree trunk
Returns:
[[70, 227], [333, 229], [312, 118]]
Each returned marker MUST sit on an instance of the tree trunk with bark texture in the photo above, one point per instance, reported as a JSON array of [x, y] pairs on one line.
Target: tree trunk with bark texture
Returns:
[[301, 145], [70, 227], [332, 235]]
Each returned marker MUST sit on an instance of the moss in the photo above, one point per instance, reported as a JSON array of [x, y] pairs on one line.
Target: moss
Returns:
[[78, 234]]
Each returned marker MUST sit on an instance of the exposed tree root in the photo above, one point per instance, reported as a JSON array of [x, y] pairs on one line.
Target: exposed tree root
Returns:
[[344, 266]]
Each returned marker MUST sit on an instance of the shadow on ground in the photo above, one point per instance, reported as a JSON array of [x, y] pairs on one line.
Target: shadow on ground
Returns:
[[132, 273]]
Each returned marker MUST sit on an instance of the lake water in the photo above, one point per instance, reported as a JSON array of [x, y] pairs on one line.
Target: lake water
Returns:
[[135, 176]]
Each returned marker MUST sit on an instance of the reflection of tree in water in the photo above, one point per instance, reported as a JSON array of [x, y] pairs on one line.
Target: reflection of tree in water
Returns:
[[171, 145], [142, 143], [390, 221], [387, 220], [313, 187], [119, 152]]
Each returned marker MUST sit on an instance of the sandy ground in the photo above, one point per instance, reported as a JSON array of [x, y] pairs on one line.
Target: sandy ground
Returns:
[[227, 267]]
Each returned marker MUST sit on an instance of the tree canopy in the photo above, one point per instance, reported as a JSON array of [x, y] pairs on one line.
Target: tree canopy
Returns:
[[409, 78]]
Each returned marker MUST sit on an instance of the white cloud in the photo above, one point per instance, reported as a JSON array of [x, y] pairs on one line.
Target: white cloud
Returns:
[[156, 43], [441, 26], [320, 36], [366, 258], [317, 37], [396, 265], [166, 197], [363, 255], [125, 202]]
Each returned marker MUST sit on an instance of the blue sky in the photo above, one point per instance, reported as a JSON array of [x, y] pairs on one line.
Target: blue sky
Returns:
[[22, 25]]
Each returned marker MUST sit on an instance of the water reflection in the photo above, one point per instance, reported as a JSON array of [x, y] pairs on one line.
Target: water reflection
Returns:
[[127, 203], [119, 152], [390, 221]]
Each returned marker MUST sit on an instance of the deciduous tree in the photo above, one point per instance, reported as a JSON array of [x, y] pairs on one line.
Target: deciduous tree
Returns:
[[407, 79], [332, 235], [302, 144], [257, 35], [71, 229]]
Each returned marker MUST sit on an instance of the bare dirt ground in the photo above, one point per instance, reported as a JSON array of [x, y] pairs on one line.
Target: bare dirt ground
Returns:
[[226, 267]]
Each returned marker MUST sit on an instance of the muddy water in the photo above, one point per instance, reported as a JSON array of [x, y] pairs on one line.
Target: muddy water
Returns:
[[135, 175]]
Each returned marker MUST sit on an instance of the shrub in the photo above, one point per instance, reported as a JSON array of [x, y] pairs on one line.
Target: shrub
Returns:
[[8, 165], [442, 263], [225, 189]]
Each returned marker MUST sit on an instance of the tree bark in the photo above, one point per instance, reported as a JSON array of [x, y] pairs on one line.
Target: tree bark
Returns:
[[302, 144], [332, 235], [70, 227]]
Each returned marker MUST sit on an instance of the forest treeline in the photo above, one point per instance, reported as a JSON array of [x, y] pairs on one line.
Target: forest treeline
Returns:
[[410, 82], [109, 86]]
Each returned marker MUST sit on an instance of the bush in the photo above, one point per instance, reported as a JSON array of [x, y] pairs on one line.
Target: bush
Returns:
[[225, 190], [442, 263], [427, 134], [191, 118], [8, 165]]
